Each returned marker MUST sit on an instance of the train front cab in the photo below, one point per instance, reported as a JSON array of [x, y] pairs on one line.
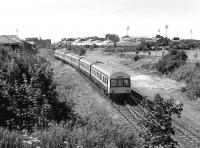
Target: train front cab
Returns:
[[119, 84]]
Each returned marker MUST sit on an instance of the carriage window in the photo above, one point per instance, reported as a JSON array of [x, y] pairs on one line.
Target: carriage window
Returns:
[[120, 82], [113, 83], [126, 82]]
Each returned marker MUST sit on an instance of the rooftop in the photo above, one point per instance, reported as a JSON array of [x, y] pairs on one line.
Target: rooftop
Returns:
[[9, 39]]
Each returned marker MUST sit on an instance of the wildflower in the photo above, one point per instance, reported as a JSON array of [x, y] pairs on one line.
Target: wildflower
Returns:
[[28, 142]]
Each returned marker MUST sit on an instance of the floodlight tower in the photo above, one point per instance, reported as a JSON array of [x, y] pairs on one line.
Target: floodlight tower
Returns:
[[166, 27], [158, 31], [17, 32], [191, 33], [127, 29]]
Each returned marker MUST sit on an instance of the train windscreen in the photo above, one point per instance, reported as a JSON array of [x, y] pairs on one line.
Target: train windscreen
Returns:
[[120, 82]]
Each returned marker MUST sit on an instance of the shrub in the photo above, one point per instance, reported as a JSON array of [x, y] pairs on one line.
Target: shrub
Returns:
[[78, 50], [86, 46], [193, 84], [189, 73], [81, 51], [183, 72], [171, 61], [136, 57], [28, 92], [158, 121]]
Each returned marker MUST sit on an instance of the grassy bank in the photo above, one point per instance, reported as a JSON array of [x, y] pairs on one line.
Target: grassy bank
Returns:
[[96, 126]]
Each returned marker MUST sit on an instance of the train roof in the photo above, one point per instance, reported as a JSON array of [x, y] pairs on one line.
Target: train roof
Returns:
[[103, 67], [99, 65], [85, 61], [73, 55]]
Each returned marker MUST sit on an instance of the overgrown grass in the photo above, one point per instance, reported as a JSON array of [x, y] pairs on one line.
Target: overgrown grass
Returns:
[[189, 73], [183, 72]]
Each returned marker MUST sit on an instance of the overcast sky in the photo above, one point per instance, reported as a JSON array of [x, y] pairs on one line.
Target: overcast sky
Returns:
[[57, 19]]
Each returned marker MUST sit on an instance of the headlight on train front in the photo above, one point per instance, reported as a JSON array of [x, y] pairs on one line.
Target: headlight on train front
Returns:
[[128, 91], [113, 91]]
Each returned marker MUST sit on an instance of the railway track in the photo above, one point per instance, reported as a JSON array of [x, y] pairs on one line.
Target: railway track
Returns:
[[126, 112], [186, 137]]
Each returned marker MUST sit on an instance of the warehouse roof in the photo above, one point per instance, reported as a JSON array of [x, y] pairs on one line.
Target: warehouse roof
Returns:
[[9, 39]]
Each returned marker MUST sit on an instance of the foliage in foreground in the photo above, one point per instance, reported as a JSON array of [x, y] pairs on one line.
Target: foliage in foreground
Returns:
[[100, 130], [28, 92], [159, 122], [171, 61]]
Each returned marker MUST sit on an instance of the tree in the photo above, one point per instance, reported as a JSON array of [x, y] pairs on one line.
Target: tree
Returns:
[[113, 37], [158, 121]]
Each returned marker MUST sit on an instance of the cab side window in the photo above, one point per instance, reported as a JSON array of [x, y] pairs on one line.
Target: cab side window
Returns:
[[120, 83], [126, 82], [113, 83]]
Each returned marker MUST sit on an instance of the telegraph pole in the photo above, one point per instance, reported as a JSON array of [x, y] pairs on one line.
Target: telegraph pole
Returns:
[[191, 33]]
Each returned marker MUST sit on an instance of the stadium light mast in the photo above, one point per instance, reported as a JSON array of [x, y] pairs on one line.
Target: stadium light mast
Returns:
[[158, 31], [127, 29], [166, 27], [17, 32], [191, 33]]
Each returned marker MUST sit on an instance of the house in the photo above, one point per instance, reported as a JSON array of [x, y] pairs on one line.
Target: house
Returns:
[[12, 41]]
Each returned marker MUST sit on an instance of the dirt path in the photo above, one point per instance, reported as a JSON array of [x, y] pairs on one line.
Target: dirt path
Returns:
[[150, 85]]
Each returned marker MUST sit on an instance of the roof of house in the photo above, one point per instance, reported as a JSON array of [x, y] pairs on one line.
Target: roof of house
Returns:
[[9, 39]]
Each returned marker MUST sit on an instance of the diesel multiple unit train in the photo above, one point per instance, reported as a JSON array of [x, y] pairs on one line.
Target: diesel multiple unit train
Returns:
[[111, 81]]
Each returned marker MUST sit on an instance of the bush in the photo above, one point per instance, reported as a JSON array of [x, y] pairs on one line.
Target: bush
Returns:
[[81, 51], [78, 50], [189, 73], [183, 72], [171, 61], [28, 92], [136, 57], [193, 83], [158, 122], [193, 86]]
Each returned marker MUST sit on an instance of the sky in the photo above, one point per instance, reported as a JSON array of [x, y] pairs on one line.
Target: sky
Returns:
[[56, 19]]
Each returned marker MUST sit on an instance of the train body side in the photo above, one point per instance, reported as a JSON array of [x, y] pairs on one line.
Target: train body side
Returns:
[[112, 82]]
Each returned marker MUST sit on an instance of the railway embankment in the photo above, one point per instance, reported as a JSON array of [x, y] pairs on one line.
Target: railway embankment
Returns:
[[149, 85], [97, 112]]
